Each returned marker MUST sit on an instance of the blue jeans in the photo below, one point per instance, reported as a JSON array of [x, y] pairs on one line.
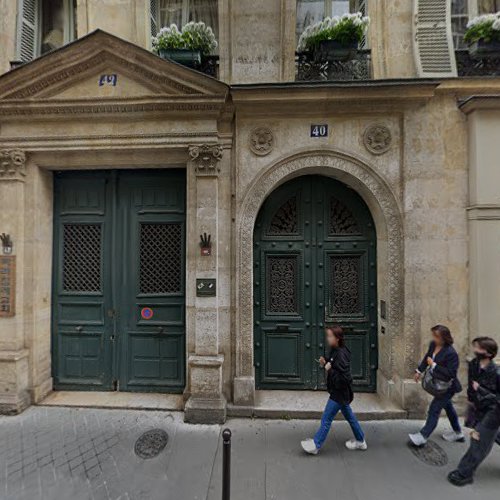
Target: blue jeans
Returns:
[[435, 409], [331, 410]]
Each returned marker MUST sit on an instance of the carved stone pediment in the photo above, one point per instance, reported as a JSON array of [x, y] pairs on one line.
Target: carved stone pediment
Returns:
[[102, 67]]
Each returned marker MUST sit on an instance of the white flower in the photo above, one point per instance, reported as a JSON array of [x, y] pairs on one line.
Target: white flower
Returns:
[[496, 25]]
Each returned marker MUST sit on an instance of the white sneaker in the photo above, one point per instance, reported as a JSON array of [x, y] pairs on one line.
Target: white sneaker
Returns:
[[417, 439], [309, 446], [453, 436], [352, 444]]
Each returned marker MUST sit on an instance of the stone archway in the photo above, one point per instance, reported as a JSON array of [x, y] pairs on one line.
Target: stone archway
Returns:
[[386, 213]]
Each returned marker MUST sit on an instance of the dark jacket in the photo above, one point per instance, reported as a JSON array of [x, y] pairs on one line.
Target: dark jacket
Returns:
[[486, 399], [447, 363], [339, 378]]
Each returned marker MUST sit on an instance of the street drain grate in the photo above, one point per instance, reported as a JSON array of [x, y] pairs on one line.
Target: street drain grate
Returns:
[[151, 443], [431, 454]]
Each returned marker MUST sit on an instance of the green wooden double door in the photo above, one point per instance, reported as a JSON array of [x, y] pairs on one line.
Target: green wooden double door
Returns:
[[119, 280], [314, 264]]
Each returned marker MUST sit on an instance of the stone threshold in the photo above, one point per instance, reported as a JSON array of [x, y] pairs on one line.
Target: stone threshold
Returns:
[[115, 400], [310, 405], [269, 404]]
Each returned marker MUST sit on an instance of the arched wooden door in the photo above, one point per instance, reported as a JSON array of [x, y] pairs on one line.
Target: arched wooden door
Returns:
[[314, 264]]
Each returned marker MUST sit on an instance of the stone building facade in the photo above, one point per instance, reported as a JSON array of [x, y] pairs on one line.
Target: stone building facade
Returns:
[[370, 201]]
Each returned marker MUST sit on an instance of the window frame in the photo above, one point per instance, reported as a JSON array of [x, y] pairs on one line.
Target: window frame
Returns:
[[69, 8]]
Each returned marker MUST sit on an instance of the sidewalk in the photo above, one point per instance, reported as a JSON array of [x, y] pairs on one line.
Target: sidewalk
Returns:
[[73, 454]]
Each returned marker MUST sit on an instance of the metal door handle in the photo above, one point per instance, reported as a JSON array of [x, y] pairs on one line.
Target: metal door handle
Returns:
[[79, 328], [308, 345]]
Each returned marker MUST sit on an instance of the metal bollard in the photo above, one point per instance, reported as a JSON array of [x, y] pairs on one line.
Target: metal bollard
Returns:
[[226, 464]]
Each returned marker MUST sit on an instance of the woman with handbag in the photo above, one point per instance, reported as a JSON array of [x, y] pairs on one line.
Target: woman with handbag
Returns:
[[439, 371]]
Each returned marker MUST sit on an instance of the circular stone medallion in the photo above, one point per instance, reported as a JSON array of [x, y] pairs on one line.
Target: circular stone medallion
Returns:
[[151, 443], [377, 139], [431, 454], [261, 141]]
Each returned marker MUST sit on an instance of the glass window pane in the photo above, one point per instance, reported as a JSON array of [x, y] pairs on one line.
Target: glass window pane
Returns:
[[53, 25], [340, 7], [488, 6], [170, 13], [206, 11], [308, 12], [459, 7]]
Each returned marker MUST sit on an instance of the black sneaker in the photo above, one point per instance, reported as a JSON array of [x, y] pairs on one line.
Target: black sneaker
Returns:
[[457, 479]]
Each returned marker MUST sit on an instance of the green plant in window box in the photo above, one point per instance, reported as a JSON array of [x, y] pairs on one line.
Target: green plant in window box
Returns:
[[334, 38], [483, 35], [187, 46]]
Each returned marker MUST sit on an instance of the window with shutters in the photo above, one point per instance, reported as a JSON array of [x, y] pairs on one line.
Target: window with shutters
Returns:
[[180, 12], [43, 26], [464, 10], [433, 41], [312, 11]]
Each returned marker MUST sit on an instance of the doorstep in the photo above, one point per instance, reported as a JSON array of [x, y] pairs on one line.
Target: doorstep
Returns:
[[118, 400], [310, 405]]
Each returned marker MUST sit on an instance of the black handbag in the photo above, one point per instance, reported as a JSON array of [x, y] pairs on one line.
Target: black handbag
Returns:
[[434, 386]]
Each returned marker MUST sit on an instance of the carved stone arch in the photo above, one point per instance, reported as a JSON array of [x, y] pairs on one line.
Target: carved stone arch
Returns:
[[386, 213]]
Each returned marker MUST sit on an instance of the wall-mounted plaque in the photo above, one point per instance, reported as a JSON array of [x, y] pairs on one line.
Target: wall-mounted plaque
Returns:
[[206, 287], [7, 286]]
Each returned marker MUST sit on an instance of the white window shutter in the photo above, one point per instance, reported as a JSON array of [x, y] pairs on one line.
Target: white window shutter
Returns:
[[27, 30], [433, 42], [154, 14]]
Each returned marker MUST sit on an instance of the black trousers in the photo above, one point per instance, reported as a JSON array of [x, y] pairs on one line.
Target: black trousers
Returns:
[[478, 450]]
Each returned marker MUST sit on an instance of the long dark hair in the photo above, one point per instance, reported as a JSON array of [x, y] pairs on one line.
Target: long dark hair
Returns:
[[338, 332], [444, 333]]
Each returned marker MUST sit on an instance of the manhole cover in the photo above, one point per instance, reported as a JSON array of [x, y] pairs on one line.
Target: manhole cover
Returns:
[[431, 454], [151, 443]]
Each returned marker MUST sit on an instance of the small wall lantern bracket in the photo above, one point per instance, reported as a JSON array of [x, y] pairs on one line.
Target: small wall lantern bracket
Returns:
[[206, 244]]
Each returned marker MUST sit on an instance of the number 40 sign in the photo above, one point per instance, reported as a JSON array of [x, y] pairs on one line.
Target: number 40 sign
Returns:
[[319, 130]]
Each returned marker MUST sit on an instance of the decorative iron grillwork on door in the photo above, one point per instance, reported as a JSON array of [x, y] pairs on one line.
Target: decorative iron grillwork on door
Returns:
[[345, 286], [282, 284], [342, 220], [314, 264], [285, 220], [161, 258], [82, 257]]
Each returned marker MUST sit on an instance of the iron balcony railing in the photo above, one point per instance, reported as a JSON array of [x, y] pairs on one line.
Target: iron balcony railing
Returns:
[[468, 65], [310, 68]]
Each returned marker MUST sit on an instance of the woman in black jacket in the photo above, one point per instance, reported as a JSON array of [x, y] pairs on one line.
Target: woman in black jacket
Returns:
[[484, 412], [443, 361], [339, 384]]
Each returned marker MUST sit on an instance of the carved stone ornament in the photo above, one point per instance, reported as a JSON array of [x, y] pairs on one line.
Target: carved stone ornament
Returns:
[[12, 164], [377, 139], [261, 141], [206, 158]]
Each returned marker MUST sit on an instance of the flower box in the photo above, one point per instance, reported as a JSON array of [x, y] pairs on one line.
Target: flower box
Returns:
[[190, 58], [334, 38], [331, 50], [482, 49]]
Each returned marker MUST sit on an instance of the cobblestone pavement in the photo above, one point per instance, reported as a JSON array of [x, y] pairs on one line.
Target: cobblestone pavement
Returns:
[[73, 454], [60, 453]]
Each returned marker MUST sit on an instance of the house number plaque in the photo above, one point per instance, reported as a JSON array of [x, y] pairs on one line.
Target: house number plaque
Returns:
[[7, 285]]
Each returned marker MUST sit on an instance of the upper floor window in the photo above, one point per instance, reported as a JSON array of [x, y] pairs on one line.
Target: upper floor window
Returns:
[[462, 11], [313, 11], [180, 12], [44, 25]]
